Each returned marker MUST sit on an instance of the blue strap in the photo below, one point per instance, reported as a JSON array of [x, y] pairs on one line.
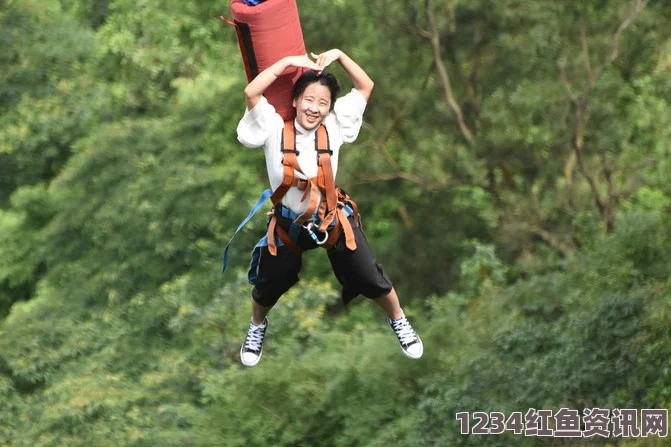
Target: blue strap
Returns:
[[294, 231], [253, 272], [255, 208]]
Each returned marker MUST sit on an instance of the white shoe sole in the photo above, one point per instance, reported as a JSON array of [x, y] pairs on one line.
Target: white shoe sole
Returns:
[[415, 356], [250, 364]]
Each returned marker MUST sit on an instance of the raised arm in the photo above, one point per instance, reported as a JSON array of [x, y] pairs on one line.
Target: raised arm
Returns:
[[262, 81], [360, 79]]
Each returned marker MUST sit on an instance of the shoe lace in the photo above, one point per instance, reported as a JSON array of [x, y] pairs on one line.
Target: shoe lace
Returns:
[[405, 333], [254, 339]]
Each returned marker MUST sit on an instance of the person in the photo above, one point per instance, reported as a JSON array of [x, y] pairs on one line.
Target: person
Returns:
[[316, 102]]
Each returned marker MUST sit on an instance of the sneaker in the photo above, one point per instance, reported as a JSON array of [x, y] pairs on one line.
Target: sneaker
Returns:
[[410, 343], [252, 348]]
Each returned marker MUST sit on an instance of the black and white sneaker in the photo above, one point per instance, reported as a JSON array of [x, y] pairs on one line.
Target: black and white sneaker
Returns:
[[410, 343], [252, 348]]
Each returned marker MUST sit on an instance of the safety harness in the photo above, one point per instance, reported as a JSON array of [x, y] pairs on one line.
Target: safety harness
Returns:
[[324, 219], [318, 217]]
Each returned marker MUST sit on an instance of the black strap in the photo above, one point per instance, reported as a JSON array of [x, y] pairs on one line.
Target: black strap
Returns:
[[249, 48], [319, 151], [328, 143], [290, 151]]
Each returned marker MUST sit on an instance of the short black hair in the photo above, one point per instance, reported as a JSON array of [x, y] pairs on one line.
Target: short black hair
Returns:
[[324, 78]]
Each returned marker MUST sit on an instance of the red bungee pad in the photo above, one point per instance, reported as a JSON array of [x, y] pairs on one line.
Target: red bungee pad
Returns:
[[266, 33]]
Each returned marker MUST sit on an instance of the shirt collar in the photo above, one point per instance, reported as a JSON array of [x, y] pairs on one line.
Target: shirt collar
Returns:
[[302, 130]]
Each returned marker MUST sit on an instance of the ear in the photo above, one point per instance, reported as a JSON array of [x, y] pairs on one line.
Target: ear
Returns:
[[293, 103]]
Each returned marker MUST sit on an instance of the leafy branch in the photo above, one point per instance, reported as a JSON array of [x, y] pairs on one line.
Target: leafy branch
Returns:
[[580, 104]]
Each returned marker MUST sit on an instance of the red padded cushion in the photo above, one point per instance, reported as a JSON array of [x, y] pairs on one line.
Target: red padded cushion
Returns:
[[273, 28]]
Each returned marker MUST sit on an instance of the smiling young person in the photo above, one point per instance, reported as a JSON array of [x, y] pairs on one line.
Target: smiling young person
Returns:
[[302, 175]]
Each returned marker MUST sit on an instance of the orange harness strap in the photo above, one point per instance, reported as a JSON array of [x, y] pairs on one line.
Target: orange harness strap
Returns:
[[329, 203], [342, 223]]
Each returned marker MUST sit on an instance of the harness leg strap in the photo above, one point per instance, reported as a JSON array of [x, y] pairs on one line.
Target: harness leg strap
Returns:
[[272, 248], [350, 241], [333, 235]]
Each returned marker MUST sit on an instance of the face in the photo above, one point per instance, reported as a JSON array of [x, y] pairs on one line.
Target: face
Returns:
[[313, 105]]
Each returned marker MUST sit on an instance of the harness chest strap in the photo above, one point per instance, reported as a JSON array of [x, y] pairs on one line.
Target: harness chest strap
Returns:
[[291, 166]]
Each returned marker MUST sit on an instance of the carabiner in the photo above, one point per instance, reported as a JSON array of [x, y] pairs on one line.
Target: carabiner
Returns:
[[311, 227]]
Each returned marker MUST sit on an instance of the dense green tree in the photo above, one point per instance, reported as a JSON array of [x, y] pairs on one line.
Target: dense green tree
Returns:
[[512, 176]]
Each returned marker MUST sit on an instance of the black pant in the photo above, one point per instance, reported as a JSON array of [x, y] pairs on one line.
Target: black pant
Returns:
[[357, 271]]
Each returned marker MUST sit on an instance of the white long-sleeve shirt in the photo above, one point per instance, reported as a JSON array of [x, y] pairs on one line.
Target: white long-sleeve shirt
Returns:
[[263, 126]]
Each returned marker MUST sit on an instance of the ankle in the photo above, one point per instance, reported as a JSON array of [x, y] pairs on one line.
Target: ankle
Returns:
[[397, 315], [260, 322]]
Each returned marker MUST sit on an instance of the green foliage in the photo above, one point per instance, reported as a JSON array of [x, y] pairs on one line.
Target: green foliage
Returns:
[[21, 255], [519, 200], [47, 100], [570, 338]]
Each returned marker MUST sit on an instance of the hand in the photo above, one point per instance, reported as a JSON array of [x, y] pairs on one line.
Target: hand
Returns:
[[324, 59], [303, 62]]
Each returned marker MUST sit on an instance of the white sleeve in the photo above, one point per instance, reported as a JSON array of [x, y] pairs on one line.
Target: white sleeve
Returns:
[[257, 124], [348, 111]]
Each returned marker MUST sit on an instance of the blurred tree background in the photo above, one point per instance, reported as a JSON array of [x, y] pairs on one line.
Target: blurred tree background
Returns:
[[512, 174]]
